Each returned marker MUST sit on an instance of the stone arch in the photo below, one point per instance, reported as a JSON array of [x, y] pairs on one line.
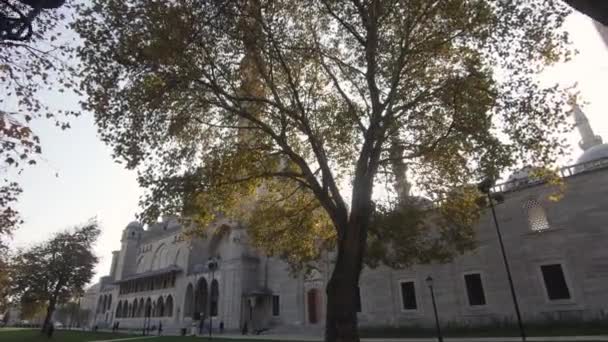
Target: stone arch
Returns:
[[180, 258], [189, 301], [134, 312], [200, 299], [140, 308], [119, 310], [141, 264], [159, 258], [169, 306], [160, 307], [215, 297], [125, 309], [148, 308]]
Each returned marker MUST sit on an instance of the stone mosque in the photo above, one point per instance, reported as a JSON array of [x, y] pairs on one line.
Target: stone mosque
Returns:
[[556, 250]]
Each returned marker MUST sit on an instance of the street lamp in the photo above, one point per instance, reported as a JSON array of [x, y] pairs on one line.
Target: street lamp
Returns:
[[212, 265], [19, 27], [486, 187], [429, 282]]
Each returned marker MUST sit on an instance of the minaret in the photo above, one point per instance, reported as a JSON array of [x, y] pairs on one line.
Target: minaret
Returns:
[[588, 138]]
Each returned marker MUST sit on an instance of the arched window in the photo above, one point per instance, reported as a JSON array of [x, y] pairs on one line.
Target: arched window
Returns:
[[169, 306], [200, 299], [109, 302], [141, 264], [189, 301], [103, 304], [180, 258], [119, 310], [125, 309], [215, 297], [537, 218], [160, 307], [148, 308], [160, 257], [99, 304], [140, 308], [134, 312]]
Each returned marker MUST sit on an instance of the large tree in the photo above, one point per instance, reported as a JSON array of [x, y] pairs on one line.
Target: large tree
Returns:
[[291, 117], [52, 272]]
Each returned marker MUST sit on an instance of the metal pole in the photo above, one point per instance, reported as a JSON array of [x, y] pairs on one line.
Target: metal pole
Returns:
[[439, 336], [211, 303], [504, 258]]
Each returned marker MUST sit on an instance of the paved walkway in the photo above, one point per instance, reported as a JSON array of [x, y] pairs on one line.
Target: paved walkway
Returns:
[[446, 339], [126, 339]]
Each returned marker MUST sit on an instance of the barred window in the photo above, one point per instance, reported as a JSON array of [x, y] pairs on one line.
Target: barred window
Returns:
[[537, 218]]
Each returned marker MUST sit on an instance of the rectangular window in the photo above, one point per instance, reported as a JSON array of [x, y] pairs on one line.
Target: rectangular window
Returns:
[[475, 289], [555, 282], [408, 296], [276, 306]]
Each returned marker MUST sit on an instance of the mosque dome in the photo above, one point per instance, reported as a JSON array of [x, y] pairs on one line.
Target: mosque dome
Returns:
[[594, 153], [135, 225]]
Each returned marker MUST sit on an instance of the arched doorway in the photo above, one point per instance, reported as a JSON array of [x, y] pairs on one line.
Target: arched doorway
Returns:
[[118, 310], [314, 306], [200, 299], [189, 301], [148, 308], [160, 307], [169, 306]]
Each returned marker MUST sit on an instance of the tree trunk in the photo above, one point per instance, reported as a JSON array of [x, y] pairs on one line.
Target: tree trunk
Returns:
[[49, 313], [342, 288]]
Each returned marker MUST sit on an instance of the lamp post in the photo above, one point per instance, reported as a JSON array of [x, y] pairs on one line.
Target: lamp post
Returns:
[[19, 26], [212, 264], [485, 187], [429, 282]]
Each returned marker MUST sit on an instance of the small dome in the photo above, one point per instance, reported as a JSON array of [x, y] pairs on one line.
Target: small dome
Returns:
[[135, 225], [594, 153]]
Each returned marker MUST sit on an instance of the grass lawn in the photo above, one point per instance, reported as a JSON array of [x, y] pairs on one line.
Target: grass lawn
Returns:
[[33, 335]]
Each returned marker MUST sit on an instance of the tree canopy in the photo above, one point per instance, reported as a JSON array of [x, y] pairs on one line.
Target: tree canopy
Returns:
[[28, 70], [311, 122], [54, 271]]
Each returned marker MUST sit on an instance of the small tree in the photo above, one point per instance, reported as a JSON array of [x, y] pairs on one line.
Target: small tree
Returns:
[[51, 272], [292, 116]]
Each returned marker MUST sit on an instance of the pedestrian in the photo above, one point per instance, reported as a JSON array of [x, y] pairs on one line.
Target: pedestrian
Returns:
[[160, 328], [201, 325], [221, 327], [244, 331], [117, 325], [50, 329]]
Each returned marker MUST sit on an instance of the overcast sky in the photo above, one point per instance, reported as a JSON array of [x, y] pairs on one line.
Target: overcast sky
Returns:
[[77, 178]]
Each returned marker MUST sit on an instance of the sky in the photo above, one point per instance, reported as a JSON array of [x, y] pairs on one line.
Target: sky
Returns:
[[77, 178]]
